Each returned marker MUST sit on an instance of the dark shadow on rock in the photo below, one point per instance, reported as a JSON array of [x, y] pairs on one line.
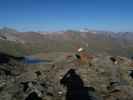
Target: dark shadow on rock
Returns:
[[113, 59], [9, 63], [75, 87], [33, 96], [38, 73], [78, 56], [5, 58], [6, 72], [130, 73], [131, 57], [25, 86]]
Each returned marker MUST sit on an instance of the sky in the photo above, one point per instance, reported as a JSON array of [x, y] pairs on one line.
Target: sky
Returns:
[[55, 15]]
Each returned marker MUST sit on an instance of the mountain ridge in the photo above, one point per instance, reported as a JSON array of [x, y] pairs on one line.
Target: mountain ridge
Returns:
[[70, 40]]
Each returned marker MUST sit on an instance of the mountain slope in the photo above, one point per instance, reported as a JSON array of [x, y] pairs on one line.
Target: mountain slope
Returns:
[[67, 41]]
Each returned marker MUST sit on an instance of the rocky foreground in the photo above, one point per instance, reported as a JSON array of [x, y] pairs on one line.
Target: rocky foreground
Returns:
[[100, 77]]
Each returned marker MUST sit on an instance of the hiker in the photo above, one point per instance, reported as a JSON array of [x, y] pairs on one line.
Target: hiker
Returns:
[[75, 87], [33, 96]]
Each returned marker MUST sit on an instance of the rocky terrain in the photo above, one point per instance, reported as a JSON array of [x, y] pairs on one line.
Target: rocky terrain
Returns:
[[102, 71], [71, 76]]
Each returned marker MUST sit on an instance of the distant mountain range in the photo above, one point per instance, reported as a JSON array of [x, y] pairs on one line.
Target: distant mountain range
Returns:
[[94, 41]]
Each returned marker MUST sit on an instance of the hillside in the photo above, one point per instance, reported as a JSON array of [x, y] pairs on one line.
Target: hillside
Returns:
[[68, 41]]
